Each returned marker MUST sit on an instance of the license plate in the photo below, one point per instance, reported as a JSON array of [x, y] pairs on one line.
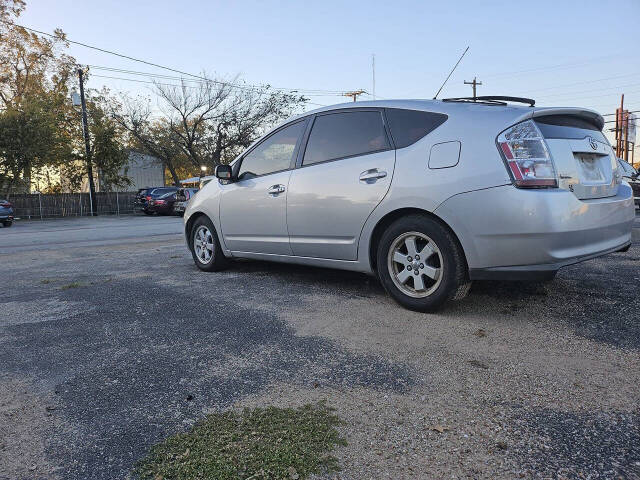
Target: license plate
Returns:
[[591, 169]]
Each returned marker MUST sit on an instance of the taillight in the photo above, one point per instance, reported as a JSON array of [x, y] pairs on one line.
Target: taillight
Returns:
[[160, 202], [527, 157], [148, 198], [6, 205]]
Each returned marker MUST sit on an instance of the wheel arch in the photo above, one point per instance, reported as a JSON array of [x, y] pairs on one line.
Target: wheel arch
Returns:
[[394, 215]]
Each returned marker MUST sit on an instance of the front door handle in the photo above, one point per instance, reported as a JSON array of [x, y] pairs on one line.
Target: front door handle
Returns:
[[276, 189], [372, 176]]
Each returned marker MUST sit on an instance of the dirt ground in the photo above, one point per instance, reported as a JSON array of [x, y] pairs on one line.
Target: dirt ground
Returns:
[[108, 347]]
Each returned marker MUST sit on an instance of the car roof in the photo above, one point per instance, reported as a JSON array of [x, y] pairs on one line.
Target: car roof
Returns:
[[453, 108]]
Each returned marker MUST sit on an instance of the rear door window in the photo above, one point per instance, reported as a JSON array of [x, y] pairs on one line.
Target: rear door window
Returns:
[[345, 134], [409, 126]]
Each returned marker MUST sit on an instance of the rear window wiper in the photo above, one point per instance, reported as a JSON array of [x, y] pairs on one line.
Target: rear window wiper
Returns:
[[492, 100]]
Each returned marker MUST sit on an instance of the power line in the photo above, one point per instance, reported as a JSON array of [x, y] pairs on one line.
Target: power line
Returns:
[[103, 50], [592, 90], [550, 67], [191, 86], [121, 55], [173, 77], [582, 83]]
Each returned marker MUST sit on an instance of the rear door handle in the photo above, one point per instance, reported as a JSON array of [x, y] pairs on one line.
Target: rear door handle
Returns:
[[276, 189], [372, 175]]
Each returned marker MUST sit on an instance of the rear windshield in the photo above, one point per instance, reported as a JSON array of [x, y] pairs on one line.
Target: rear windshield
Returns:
[[409, 126], [568, 126], [161, 191]]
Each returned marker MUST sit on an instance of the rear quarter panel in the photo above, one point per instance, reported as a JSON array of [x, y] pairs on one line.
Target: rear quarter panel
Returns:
[[480, 166]]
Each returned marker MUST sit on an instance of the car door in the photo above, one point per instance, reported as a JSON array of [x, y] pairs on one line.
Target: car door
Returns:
[[344, 172], [253, 213]]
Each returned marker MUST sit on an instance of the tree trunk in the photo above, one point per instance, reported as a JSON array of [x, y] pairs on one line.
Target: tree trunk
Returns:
[[172, 171]]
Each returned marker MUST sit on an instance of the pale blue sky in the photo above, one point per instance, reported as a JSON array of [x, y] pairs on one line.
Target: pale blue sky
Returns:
[[559, 52]]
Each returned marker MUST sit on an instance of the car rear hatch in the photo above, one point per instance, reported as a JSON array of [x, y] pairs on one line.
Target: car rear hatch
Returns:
[[584, 160]]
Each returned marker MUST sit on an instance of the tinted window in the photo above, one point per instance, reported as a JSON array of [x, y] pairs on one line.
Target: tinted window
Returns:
[[409, 126], [161, 191], [567, 126], [272, 155], [345, 134], [626, 168]]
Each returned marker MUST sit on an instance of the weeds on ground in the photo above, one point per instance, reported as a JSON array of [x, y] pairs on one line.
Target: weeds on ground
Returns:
[[261, 443], [70, 285]]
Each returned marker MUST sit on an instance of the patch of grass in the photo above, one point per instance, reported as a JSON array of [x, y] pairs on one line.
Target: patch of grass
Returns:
[[261, 443], [44, 281], [70, 285]]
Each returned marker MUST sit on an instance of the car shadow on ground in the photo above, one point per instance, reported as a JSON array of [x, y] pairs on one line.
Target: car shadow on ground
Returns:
[[598, 299]]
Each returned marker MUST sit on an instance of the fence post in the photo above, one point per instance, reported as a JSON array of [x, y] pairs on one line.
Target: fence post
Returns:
[[118, 203], [40, 202]]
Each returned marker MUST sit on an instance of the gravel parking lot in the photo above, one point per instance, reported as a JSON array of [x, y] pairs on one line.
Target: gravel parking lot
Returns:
[[111, 339]]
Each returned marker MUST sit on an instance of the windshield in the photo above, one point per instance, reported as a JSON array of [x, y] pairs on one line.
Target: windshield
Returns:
[[626, 168]]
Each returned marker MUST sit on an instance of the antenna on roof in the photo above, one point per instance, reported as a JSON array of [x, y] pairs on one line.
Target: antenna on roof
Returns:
[[450, 73]]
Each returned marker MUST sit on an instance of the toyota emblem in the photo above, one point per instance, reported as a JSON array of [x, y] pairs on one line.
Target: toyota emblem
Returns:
[[593, 143]]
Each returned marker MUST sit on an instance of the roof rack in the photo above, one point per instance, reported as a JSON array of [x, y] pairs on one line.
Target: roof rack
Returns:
[[492, 99]]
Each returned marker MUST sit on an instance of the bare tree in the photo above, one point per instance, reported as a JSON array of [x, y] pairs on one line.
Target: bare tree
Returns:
[[214, 119], [151, 136]]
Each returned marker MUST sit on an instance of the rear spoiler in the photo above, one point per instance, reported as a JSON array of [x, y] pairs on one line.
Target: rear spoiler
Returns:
[[589, 115]]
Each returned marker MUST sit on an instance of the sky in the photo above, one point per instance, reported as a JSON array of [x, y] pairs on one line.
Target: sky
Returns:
[[561, 53]]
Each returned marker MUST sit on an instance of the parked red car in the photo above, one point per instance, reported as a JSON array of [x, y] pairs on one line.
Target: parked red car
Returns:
[[162, 205]]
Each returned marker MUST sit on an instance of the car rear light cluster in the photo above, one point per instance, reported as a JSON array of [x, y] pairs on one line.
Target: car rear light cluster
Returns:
[[5, 204], [527, 156]]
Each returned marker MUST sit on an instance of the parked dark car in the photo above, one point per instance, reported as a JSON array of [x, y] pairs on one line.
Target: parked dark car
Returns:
[[6, 213], [144, 195], [630, 175], [162, 205], [183, 195]]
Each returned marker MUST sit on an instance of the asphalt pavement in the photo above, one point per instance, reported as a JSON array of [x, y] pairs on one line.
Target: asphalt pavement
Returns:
[[111, 339]]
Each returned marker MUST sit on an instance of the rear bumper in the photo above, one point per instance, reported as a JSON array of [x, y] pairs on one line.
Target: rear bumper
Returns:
[[511, 233], [534, 272]]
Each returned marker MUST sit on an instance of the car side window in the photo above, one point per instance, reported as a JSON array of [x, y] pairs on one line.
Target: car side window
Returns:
[[409, 126], [273, 154], [345, 134]]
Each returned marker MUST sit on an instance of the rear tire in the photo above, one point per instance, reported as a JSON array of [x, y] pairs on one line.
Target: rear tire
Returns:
[[205, 247], [417, 243], [7, 224], [147, 212]]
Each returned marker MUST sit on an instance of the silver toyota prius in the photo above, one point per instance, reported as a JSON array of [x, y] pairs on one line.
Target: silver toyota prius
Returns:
[[428, 195]]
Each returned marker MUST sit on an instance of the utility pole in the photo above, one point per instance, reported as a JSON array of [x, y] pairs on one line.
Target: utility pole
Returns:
[[353, 94], [87, 145], [373, 72], [474, 85], [619, 123]]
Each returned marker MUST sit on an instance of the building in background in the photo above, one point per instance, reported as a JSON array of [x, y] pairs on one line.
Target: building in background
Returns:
[[144, 171]]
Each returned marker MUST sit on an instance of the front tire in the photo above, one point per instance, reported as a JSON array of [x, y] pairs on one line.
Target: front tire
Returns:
[[420, 264], [205, 247]]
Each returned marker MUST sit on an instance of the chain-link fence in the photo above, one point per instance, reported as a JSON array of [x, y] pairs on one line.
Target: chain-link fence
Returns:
[[35, 205]]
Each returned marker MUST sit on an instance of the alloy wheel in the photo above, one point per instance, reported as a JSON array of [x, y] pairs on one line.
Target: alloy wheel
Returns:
[[415, 264], [203, 244]]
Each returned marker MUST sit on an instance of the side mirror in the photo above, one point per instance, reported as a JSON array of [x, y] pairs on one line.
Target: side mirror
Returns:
[[223, 172]]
